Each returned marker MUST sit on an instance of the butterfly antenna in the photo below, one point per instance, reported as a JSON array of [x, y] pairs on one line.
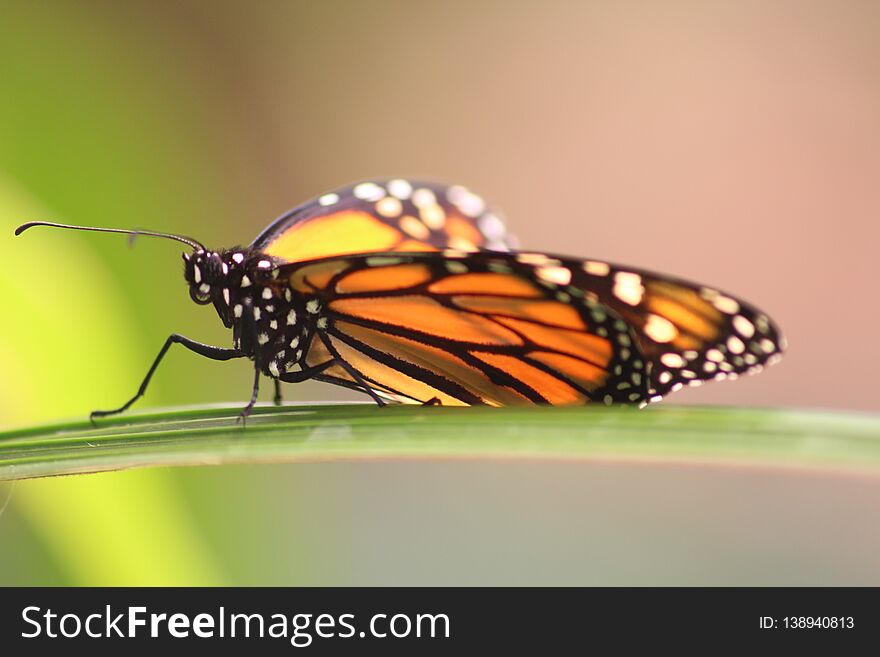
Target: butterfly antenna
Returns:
[[195, 244]]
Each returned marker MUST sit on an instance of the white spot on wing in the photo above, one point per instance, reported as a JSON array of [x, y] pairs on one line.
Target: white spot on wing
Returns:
[[492, 227], [465, 200], [400, 188], [660, 329], [672, 360], [767, 346], [743, 326], [389, 207], [433, 216], [596, 268], [558, 275], [726, 304], [368, 191], [423, 197], [537, 259], [715, 355], [735, 345], [380, 261], [628, 287]]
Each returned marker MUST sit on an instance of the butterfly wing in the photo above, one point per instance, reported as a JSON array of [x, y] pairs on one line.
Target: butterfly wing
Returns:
[[505, 328], [465, 328], [689, 332], [385, 215]]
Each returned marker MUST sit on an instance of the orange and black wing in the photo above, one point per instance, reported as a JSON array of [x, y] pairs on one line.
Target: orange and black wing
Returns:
[[385, 215], [465, 328], [690, 333], [505, 328]]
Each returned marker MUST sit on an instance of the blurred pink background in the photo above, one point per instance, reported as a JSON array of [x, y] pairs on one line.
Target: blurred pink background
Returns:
[[737, 144]]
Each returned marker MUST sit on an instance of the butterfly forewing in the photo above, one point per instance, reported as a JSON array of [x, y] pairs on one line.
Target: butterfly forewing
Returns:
[[510, 328], [465, 328], [385, 215]]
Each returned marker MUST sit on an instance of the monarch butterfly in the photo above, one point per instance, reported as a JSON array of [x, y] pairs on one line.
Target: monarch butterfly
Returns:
[[409, 292]]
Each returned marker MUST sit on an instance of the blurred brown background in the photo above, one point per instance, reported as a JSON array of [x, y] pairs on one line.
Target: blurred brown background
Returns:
[[734, 143]]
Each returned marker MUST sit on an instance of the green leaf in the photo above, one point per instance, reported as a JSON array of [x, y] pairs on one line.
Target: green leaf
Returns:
[[211, 436]]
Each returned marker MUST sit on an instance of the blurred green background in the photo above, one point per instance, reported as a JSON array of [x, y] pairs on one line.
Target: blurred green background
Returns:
[[736, 143]]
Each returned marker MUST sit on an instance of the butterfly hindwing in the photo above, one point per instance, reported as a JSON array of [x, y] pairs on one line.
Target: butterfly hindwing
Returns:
[[465, 328], [385, 215]]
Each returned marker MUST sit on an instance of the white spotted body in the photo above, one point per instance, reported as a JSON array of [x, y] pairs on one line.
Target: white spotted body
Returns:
[[269, 323]]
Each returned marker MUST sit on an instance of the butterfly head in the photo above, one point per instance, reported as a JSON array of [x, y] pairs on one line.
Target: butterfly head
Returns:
[[206, 273], [238, 282], [265, 315]]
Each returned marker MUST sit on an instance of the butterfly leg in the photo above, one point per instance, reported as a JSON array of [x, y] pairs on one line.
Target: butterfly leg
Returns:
[[305, 374], [433, 401], [289, 377], [242, 417], [206, 350], [354, 374]]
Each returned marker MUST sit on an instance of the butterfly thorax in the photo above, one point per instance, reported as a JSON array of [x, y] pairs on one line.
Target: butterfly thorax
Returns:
[[271, 324]]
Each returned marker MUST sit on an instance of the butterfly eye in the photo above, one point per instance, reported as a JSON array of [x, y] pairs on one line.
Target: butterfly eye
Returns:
[[200, 296]]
